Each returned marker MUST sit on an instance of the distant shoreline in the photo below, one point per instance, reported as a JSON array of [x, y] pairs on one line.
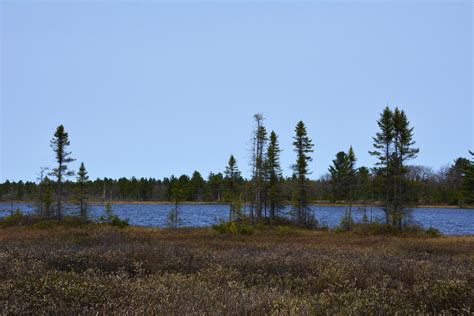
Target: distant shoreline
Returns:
[[225, 203]]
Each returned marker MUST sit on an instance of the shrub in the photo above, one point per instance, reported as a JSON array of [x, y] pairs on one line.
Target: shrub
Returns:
[[111, 219], [234, 227], [46, 224], [433, 232], [15, 219]]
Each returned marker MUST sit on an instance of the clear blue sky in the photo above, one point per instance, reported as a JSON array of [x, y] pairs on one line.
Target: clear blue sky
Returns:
[[153, 89]]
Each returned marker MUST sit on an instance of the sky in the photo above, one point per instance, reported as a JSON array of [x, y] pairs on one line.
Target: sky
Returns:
[[150, 89]]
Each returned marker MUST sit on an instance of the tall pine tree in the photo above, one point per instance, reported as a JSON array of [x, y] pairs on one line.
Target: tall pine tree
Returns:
[[232, 182], [273, 175], [258, 167], [394, 147], [59, 144], [81, 182], [303, 147]]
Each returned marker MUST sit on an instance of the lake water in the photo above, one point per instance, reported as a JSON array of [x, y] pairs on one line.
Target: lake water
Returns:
[[449, 221]]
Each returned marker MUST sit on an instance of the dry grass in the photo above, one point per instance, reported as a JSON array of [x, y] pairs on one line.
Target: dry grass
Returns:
[[196, 271]]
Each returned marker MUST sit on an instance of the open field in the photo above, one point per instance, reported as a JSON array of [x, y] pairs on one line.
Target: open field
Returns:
[[197, 271]]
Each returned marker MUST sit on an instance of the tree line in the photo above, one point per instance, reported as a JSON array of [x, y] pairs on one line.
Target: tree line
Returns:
[[391, 183]]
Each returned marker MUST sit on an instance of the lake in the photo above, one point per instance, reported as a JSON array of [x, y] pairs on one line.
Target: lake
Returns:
[[450, 221]]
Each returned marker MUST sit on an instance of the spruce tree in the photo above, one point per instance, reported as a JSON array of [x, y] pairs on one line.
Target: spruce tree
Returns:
[[273, 175], [394, 147], [197, 184], [339, 171], [47, 197], [232, 182], [383, 144], [403, 152], [59, 144], [82, 179], [257, 163], [303, 147]]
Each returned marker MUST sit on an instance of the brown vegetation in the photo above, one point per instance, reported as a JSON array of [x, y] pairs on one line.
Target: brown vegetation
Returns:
[[101, 269]]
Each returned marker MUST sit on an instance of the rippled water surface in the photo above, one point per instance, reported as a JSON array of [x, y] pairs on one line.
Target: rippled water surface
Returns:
[[450, 221]]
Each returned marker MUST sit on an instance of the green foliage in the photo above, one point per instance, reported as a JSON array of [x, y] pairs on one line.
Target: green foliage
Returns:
[[234, 227], [394, 146], [343, 175], [15, 219], [433, 232], [110, 218], [232, 188], [468, 181], [303, 146], [273, 175], [81, 193], [258, 166], [59, 144]]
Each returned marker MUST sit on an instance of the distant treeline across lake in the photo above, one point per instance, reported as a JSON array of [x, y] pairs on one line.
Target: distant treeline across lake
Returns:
[[450, 221]]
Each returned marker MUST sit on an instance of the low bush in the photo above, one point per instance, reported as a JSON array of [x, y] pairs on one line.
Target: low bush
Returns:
[[17, 218], [433, 232], [110, 218], [234, 227]]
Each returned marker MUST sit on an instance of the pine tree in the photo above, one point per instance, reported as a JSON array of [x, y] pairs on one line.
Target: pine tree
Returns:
[[394, 147], [273, 175], [303, 147], [339, 172], [197, 184], [468, 181], [403, 151], [232, 183], [59, 144], [47, 197], [343, 177], [383, 144], [82, 179], [258, 167]]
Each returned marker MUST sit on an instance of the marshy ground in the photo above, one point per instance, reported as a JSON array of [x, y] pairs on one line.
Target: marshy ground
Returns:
[[102, 269]]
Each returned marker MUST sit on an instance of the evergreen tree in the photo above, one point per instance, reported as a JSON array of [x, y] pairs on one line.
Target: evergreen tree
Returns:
[[339, 172], [258, 167], [232, 183], [197, 184], [303, 147], [394, 147], [215, 184], [343, 177], [273, 175], [363, 190], [383, 143], [59, 144], [82, 179], [468, 181], [179, 189], [47, 197]]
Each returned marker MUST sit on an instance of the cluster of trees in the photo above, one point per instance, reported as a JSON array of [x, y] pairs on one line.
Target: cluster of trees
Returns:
[[391, 183]]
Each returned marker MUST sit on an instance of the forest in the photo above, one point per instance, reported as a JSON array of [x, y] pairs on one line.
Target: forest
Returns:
[[345, 182]]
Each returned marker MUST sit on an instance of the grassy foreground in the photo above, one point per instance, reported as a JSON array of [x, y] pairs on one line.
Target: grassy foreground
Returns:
[[101, 269]]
